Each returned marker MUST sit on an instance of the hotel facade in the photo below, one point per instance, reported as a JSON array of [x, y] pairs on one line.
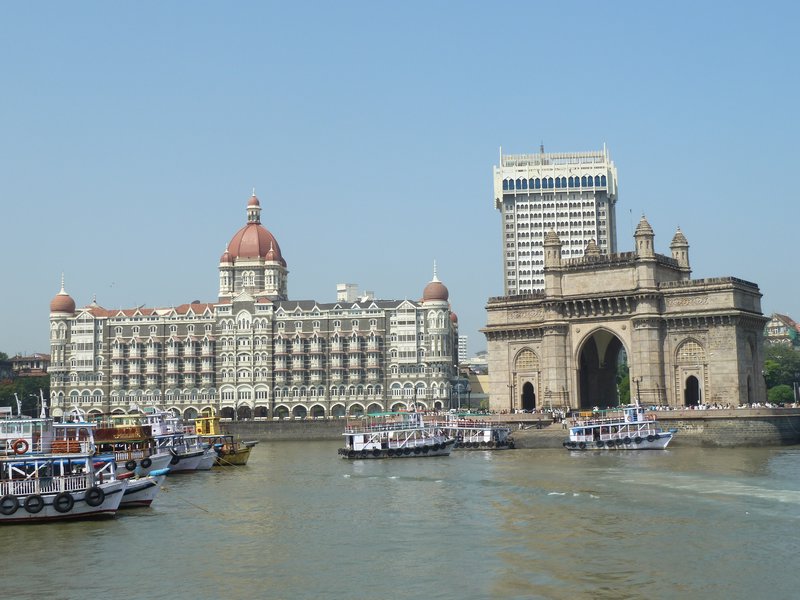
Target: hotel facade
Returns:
[[254, 352]]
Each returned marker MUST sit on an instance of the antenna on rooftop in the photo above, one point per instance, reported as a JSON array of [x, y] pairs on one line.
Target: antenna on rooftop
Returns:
[[541, 147]]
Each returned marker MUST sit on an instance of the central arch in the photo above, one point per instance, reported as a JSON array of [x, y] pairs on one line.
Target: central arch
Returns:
[[601, 360], [528, 397]]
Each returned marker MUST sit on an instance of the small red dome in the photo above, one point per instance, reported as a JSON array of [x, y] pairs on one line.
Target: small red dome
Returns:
[[453, 317], [226, 258], [253, 201], [62, 303]]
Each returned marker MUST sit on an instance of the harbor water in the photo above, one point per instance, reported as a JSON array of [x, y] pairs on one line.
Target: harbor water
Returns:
[[300, 522]]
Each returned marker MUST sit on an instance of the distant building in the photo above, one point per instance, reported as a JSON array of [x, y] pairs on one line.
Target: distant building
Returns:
[[254, 352], [782, 330], [574, 194], [35, 365], [462, 348]]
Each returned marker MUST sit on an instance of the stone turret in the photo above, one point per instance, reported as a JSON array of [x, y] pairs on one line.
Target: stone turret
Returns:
[[552, 264], [646, 255], [680, 252]]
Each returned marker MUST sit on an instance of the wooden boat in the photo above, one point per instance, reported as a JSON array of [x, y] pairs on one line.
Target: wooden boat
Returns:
[[477, 434], [394, 435], [40, 482], [230, 450], [129, 442], [625, 428]]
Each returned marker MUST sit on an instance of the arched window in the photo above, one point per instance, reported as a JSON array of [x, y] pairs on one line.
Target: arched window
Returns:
[[583, 180], [570, 181], [505, 184], [524, 184], [597, 180], [538, 183]]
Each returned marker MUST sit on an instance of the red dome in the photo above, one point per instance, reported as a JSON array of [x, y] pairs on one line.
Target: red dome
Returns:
[[253, 201], [254, 241], [453, 317], [226, 257], [63, 303], [434, 291]]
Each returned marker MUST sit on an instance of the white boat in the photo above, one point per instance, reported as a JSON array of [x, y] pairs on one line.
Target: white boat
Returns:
[[142, 488], [476, 434], [395, 435], [624, 428], [40, 482]]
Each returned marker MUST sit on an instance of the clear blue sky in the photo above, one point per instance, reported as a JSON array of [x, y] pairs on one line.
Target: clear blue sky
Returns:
[[132, 134]]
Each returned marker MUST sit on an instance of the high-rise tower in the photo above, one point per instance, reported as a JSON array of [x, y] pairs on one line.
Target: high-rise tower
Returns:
[[573, 194]]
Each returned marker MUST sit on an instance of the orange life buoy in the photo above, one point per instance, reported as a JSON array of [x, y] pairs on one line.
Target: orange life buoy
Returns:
[[20, 446]]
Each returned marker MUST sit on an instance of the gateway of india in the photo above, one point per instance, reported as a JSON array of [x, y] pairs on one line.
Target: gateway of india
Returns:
[[254, 352], [685, 341]]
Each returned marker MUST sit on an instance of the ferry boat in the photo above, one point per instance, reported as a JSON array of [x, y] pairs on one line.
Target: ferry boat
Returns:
[[40, 482], [477, 434], [395, 435], [141, 490], [129, 442], [230, 451], [624, 428]]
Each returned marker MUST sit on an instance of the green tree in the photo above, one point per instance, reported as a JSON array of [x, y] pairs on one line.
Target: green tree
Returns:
[[781, 394], [27, 389], [781, 366], [3, 356]]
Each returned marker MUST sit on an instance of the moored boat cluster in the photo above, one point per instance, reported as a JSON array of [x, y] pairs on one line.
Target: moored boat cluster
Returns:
[[77, 469], [410, 434]]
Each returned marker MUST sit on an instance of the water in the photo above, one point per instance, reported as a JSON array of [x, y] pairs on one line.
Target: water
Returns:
[[299, 522]]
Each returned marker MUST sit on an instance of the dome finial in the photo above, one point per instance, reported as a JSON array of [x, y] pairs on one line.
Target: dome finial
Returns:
[[62, 283], [435, 276]]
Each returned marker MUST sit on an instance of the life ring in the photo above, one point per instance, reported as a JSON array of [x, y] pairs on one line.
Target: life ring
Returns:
[[95, 496], [637, 439], [8, 504], [627, 441], [582, 445], [650, 439], [390, 452], [425, 449], [611, 445], [599, 443], [20, 446], [146, 462], [376, 452], [130, 465], [34, 503], [491, 444], [64, 502], [417, 450], [406, 451]]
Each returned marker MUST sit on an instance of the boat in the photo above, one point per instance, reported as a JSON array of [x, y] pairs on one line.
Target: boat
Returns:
[[41, 482], [625, 428], [142, 489], [230, 451], [395, 435], [477, 434], [129, 442]]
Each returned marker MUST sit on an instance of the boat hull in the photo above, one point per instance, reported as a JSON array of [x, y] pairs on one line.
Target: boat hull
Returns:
[[143, 490], [185, 462], [482, 445], [658, 441], [412, 451], [233, 458], [26, 510]]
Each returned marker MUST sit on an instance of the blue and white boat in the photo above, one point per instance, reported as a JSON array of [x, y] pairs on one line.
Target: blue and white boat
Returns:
[[624, 428]]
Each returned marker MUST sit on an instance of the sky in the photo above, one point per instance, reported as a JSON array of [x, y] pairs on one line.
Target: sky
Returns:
[[132, 135]]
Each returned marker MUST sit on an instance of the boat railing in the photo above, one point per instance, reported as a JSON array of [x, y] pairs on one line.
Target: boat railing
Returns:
[[618, 431], [45, 485]]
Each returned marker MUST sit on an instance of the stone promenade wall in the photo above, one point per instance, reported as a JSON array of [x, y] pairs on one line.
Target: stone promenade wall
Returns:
[[737, 427]]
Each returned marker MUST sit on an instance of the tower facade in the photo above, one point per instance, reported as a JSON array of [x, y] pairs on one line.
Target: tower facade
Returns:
[[574, 194]]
